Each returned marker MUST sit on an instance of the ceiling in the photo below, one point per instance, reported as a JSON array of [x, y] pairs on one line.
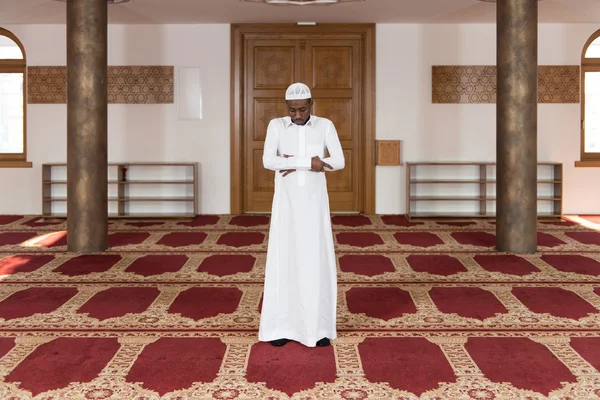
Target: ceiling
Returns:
[[235, 11]]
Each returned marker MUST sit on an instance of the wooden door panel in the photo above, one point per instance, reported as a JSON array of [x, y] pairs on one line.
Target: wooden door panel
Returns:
[[332, 66], [262, 184], [341, 185], [341, 181], [274, 66], [339, 111], [335, 73], [265, 109], [271, 66], [337, 61], [264, 179]]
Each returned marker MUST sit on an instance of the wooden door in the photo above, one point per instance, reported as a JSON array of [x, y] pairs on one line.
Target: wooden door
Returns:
[[333, 71], [270, 67], [336, 67], [331, 68]]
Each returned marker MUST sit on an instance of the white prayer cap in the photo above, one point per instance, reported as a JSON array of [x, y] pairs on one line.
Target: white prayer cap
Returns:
[[297, 91]]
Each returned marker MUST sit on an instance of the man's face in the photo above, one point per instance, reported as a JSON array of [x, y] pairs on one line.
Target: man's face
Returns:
[[299, 110]]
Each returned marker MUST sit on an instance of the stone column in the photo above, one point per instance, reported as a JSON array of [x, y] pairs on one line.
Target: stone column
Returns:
[[87, 211], [516, 125]]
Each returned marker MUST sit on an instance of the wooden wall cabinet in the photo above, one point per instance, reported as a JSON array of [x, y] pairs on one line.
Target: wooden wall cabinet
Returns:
[[135, 190], [468, 189]]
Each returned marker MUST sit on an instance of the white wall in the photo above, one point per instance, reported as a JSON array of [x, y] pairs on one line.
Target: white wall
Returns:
[[136, 132], [466, 132], [405, 54]]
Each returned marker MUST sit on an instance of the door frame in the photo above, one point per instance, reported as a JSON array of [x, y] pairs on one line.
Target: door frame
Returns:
[[367, 168]]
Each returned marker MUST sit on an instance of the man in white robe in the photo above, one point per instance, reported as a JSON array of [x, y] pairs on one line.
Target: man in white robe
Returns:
[[300, 293]]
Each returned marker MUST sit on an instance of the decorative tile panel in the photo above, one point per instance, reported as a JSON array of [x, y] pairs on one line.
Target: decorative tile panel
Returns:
[[558, 84], [47, 85], [126, 85], [476, 84]]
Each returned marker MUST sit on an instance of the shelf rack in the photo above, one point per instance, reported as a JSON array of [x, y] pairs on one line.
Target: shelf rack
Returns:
[[135, 190], [468, 189]]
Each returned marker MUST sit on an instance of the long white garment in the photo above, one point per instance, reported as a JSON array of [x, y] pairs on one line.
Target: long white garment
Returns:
[[300, 294]]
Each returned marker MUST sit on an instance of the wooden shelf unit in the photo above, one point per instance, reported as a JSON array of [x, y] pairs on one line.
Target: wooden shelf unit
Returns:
[[471, 187], [135, 190]]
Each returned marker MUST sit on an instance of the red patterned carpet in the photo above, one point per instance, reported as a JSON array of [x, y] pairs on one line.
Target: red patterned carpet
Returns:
[[426, 310]]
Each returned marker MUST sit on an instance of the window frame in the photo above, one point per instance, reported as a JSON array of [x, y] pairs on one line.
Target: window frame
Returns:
[[587, 65], [16, 66]]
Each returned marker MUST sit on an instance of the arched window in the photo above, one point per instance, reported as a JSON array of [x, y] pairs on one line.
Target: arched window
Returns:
[[590, 99], [12, 101]]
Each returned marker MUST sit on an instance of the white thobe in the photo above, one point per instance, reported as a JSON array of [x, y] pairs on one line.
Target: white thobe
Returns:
[[300, 293]]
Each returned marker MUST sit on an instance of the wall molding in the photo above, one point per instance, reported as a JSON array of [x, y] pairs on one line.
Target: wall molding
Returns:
[[476, 84], [135, 84]]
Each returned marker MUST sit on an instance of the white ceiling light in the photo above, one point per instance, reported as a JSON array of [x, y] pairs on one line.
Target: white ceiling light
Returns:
[[107, 1], [493, 1], [300, 2]]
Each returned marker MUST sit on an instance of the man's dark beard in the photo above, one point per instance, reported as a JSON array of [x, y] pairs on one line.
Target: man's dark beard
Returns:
[[305, 122]]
